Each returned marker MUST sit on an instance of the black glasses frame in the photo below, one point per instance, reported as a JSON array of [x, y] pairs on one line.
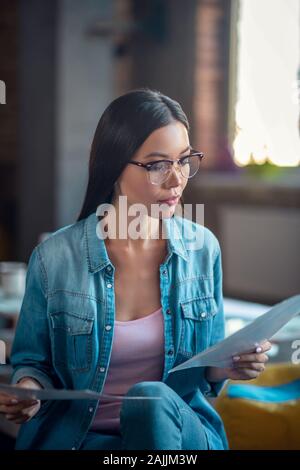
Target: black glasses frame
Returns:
[[149, 165]]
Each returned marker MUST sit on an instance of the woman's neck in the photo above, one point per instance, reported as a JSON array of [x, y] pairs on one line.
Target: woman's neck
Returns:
[[133, 233]]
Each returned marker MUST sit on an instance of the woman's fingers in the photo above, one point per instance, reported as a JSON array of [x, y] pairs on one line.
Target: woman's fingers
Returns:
[[21, 420], [17, 419], [7, 399], [258, 366], [247, 374], [250, 358], [17, 410], [12, 408], [249, 365], [23, 414], [261, 348], [13, 417], [264, 347]]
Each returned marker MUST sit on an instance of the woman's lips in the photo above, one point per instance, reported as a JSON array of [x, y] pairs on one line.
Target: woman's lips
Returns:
[[171, 202]]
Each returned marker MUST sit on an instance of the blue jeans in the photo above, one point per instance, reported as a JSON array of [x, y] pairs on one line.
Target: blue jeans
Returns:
[[165, 424]]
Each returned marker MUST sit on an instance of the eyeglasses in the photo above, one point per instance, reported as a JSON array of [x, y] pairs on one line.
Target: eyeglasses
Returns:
[[159, 171]]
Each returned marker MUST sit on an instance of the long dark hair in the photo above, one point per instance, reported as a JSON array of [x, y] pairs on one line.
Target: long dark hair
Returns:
[[123, 127]]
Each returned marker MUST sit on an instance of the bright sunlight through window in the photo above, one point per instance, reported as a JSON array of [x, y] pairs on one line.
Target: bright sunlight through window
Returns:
[[267, 109]]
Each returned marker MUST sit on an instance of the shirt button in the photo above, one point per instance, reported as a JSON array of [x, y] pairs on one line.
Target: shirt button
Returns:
[[170, 352], [165, 272], [109, 286], [102, 369], [168, 311], [91, 410], [108, 327], [108, 269], [203, 314]]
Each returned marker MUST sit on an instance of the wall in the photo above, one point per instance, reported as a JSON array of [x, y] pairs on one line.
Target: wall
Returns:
[[84, 88], [36, 136], [257, 223], [8, 126], [66, 81], [260, 249]]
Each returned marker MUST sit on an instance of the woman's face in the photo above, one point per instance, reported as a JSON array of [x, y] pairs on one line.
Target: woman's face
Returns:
[[170, 142]]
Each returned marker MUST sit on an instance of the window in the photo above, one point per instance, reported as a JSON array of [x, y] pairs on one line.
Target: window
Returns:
[[266, 114]]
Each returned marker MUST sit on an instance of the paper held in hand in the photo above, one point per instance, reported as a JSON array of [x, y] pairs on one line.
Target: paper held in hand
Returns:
[[246, 339], [63, 394], [219, 355]]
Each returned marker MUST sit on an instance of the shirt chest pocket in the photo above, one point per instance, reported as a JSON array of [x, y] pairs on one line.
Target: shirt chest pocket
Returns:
[[72, 322], [196, 325]]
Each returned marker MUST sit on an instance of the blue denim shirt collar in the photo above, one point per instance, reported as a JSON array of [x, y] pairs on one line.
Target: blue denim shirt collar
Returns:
[[175, 238], [97, 257]]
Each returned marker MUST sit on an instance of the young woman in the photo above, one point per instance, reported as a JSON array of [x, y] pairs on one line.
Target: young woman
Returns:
[[114, 313]]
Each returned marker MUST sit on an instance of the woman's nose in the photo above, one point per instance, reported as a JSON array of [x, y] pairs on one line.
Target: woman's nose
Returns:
[[175, 177]]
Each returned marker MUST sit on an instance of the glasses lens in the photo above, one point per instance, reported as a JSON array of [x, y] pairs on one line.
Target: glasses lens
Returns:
[[159, 172], [190, 166]]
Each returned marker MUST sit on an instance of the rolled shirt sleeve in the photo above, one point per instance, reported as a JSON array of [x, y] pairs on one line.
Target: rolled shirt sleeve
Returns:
[[31, 352]]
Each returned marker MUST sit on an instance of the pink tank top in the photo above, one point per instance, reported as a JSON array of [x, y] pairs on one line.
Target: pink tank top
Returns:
[[137, 355]]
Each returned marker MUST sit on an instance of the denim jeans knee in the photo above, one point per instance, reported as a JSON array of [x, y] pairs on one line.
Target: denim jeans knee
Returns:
[[148, 389], [143, 409]]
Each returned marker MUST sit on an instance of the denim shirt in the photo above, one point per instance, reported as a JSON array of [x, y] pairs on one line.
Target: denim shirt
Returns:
[[65, 330]]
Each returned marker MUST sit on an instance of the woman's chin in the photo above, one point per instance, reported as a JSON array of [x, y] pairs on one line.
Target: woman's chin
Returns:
[[167, 213]]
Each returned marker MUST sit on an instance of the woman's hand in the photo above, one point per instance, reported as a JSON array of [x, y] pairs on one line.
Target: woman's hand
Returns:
[[20, 411], [244, 367]]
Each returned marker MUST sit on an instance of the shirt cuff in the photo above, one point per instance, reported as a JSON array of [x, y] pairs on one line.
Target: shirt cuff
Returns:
[[33, 373]]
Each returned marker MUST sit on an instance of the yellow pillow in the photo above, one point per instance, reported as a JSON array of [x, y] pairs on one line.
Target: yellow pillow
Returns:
[[263, 413]]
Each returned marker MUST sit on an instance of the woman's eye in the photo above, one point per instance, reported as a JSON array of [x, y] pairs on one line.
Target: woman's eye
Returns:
[[160, 166], [185, 160]]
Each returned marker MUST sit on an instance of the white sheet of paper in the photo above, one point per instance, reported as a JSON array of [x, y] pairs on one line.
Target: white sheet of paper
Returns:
[[246, 339], [63, 394]]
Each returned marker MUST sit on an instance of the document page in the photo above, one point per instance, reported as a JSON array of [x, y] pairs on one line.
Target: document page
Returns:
[[246, 339], [63, 394]]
